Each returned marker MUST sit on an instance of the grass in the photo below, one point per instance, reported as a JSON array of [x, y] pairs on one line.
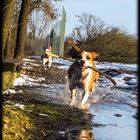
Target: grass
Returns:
[[16, 124], [8, 78], [38, 120]]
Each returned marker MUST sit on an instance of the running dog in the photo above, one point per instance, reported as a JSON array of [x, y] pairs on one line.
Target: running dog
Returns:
[[46, 59], [82, 77]]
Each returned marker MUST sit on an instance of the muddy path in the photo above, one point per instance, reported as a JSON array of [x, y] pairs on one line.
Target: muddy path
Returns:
[[52, 75], [41, 96], [45, 94]]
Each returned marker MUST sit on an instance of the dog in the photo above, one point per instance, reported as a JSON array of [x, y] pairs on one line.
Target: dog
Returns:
[[82, 77], [46, 59]]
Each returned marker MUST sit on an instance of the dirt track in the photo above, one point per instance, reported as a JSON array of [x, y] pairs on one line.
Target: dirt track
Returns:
[[52, 75], [56, 118]]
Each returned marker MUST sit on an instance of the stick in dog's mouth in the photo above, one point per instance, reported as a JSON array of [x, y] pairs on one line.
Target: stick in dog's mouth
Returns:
[[102, 73]]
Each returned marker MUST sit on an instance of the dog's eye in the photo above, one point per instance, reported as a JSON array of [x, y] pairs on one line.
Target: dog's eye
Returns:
[[88, 57]]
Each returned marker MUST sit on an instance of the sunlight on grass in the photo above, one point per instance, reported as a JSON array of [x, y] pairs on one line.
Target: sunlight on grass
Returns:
[[16, 124]]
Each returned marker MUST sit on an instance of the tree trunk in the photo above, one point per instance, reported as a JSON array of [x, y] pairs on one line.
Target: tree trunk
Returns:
[[7, 48], [7, 14], [10, 44], [21, 30]]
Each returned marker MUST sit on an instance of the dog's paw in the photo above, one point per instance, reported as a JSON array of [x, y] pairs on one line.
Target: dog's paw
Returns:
[[71, 104], [85, 107]]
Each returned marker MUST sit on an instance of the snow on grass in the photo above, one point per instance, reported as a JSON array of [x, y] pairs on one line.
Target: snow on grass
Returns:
[[123, 83], [62, 61], [11, 91], [123, 86], [20, 106], [119, 78], [27, 81], [106, 65], [30, 63], [29, 60], [132, 81], [64, 64], [100, 65], [63, 67]]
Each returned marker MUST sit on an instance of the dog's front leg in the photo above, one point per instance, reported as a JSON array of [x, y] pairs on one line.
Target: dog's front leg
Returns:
[[73, 97], [44, 63], [49, 64], [84, 99]]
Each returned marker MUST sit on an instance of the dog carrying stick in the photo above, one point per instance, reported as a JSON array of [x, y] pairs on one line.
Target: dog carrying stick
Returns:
[[102, 73], [79, 50], [71, 43]]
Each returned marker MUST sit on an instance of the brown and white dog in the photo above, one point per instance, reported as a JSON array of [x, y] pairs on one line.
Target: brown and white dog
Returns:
[[82, 77], [46, 59]]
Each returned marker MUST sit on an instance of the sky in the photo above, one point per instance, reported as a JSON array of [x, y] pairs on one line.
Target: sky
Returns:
[[116, 13]]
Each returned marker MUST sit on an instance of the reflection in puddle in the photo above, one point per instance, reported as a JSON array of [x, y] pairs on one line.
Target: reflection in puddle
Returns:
[[84, 134], [75, 134]]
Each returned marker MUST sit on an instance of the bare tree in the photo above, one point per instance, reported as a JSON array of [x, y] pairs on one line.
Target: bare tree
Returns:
[[7, 14], [38, 23], [113, 43], [12, 33], [21, 31], [14, 24], [90, 26], [42, 11]]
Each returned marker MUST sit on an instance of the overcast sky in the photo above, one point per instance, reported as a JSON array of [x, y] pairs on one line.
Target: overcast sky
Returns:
[[118, 13]]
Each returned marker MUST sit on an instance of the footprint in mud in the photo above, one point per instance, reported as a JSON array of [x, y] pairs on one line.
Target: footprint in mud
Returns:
[[118, 115]]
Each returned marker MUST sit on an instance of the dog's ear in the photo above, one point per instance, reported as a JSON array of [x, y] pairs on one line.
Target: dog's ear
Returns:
[[94, 54]]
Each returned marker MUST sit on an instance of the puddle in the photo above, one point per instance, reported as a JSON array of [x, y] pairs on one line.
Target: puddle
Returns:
[[117, 122], [113, 118]]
